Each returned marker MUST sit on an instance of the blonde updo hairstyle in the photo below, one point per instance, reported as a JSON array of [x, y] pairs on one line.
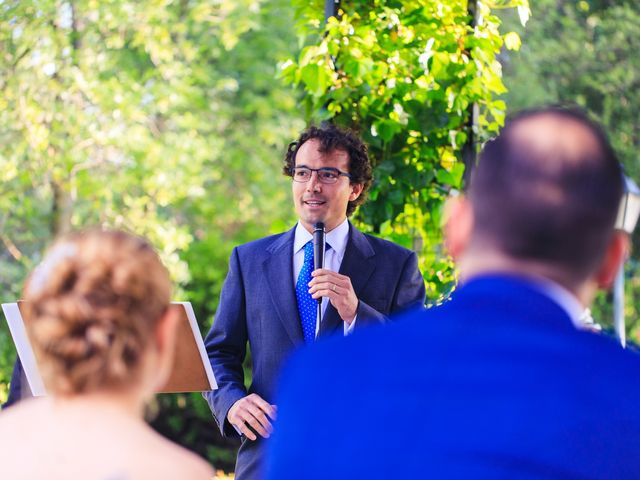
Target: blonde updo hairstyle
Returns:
[[92, 307]]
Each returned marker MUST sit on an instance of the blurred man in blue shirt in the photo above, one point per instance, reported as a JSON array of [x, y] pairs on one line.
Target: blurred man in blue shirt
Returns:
[[499, 382]]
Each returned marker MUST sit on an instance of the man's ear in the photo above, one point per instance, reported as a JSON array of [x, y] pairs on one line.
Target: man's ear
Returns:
[[457, 225], [615, 255], [356, 190]]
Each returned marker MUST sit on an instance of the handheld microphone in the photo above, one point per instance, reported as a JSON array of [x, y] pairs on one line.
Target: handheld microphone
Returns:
[[319, 241]]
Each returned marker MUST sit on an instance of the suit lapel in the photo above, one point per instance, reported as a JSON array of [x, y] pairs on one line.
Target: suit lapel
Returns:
[[278, 268], [358, 264]]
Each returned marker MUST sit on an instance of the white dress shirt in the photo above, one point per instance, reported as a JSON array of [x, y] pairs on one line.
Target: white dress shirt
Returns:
[[579, 315], [336, 239]]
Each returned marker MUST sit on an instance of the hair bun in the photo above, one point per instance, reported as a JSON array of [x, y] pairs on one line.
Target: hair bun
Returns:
[[91, 306]]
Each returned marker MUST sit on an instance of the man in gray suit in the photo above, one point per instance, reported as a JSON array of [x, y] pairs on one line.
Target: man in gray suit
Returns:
[[270, 287]]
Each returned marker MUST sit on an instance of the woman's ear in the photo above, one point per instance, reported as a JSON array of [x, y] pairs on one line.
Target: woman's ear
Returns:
[[165, 340]]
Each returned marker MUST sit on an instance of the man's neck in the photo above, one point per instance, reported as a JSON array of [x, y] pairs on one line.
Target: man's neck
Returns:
[[327, 228]]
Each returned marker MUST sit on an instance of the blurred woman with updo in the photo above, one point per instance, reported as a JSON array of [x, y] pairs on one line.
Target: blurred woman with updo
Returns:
[[97, 312]]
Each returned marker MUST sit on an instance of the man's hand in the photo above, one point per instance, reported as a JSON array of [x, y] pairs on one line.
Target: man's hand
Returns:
[[338, 288], [254, 411]]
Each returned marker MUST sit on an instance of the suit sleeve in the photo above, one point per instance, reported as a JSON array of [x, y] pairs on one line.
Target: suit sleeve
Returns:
[[226, 345], [409, 293]]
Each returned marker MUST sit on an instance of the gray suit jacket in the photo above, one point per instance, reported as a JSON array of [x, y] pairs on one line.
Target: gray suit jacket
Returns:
[[258, 305]]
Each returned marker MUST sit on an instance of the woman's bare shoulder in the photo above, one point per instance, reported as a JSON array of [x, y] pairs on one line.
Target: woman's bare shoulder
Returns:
[[31, 410], [141, 453], [170, 461], [193, 466]]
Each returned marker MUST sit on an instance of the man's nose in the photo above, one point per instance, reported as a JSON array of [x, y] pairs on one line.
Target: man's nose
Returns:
[[314, 185]]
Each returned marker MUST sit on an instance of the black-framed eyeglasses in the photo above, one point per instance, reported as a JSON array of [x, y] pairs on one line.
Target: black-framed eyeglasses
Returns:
[[326, 175]]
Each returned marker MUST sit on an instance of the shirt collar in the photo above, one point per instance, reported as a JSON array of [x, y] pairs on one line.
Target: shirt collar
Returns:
[[337, 237], [555, 292], [563, 297]]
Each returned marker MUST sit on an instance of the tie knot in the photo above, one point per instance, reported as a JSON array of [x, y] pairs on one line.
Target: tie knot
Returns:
[[309, 246], [308, 249]]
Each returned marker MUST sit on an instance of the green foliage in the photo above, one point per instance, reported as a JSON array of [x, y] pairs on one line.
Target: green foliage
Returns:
[[407, 75], [586, 53], [159, 117]]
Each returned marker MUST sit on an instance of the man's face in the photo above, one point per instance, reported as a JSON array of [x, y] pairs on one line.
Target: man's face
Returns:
[[321, 202]]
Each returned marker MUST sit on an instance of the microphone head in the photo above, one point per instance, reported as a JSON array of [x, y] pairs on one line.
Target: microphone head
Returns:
[[318, 226]]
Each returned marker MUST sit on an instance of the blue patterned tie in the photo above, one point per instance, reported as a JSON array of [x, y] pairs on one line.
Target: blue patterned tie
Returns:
[[307, 306]]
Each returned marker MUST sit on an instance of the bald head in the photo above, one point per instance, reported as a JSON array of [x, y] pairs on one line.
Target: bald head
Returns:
[[547, 190], [555, 133]]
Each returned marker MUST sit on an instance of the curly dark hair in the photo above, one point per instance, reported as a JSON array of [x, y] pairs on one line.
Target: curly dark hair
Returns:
[[335, 138]]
